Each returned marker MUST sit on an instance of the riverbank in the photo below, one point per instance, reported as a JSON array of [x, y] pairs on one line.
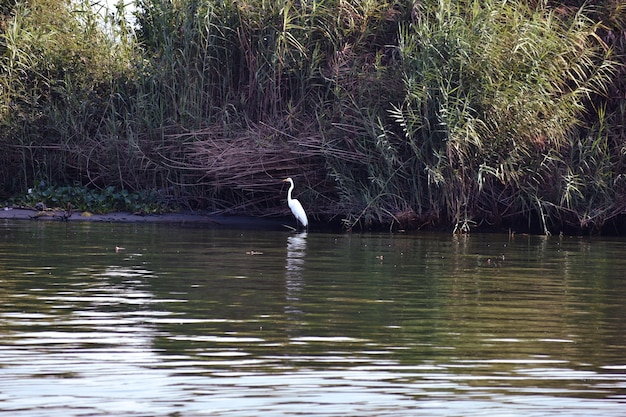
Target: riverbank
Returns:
[[198, 218]]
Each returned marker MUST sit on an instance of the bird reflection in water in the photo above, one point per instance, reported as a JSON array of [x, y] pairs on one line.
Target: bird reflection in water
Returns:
[[294, 282]]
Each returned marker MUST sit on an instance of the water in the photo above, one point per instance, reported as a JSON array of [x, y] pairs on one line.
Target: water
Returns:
[[197, 321]]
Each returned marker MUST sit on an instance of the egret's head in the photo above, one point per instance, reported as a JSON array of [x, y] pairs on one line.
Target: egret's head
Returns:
[[288, 180]]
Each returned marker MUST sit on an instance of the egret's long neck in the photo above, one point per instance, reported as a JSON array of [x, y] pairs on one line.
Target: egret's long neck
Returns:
[[289, 192]]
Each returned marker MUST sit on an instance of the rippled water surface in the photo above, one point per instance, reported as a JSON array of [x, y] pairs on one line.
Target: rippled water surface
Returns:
[[198, 321]]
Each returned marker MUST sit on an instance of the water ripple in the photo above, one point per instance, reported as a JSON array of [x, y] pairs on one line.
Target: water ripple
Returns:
[[185, 323]]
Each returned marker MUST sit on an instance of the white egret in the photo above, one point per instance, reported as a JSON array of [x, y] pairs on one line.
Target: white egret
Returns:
[[295, 206]]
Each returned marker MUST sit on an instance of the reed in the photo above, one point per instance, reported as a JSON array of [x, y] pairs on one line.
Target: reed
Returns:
[[409, 114], [60, 73], [493, 92]]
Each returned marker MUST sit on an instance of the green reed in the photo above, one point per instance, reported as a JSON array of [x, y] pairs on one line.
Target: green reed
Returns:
[[493, 92]]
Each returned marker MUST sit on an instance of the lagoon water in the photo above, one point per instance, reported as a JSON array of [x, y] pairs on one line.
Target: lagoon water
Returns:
[[195, 321]]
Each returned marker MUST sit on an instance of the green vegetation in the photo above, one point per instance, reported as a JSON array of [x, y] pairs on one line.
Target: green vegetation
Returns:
[[80, 198], [438, 113]]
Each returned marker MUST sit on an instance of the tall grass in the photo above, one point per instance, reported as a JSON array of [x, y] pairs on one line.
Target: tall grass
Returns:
[[493, 92], [240, 66], [60, 75], [438, 112]]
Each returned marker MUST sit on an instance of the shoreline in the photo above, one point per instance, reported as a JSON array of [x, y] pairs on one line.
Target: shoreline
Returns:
[[198, 218]]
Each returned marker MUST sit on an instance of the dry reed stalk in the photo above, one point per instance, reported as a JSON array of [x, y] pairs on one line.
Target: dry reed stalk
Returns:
[[250, 160], [247, 163]]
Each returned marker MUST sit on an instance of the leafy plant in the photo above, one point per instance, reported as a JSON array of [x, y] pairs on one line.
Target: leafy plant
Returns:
[[79, 198]]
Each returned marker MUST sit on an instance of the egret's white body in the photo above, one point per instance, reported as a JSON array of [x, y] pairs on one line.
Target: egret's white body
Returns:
[[295, 206]]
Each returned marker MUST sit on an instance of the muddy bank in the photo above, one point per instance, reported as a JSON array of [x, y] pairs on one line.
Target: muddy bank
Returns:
[[196, 218]]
